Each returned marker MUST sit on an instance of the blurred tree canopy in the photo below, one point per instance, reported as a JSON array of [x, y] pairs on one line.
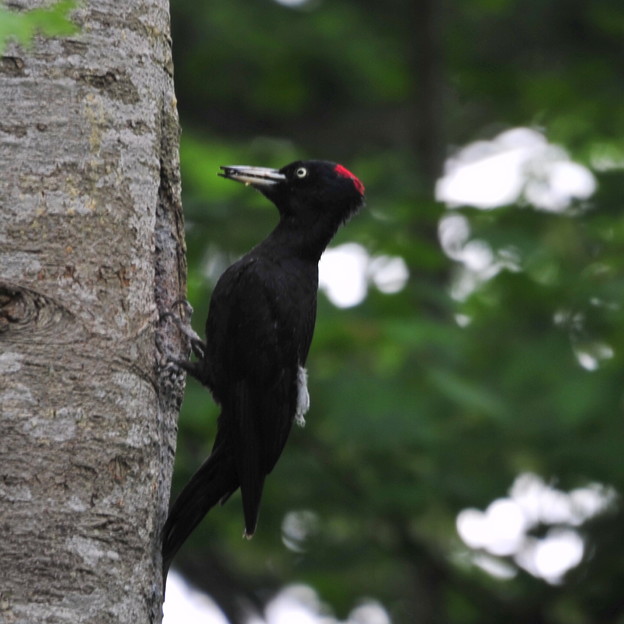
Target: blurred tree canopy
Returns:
[[424, 402]]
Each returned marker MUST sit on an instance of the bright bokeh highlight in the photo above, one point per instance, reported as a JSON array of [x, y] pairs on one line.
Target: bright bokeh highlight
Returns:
[[518, 164], [504, 528], [295, 604], [346, 273]]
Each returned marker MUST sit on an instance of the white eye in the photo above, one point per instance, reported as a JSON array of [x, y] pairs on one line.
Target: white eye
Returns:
[[302, 172]]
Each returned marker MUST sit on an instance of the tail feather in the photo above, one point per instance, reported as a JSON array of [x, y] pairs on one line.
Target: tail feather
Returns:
[[214, 482], [251, 491], [249, 453]]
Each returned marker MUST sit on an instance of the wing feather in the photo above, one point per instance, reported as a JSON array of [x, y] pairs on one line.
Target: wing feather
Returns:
[[254, 336]]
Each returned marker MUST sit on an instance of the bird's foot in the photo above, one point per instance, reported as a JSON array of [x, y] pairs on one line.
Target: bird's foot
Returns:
[[197, 344], [188, 308], [171, 380]]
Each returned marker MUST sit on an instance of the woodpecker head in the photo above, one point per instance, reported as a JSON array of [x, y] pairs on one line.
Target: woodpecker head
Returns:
[[306, 190]]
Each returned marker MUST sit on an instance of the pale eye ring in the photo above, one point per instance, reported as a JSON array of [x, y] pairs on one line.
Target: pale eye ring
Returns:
[[302, 172]]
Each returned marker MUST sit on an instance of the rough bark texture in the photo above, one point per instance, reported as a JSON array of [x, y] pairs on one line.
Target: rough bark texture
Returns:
[[91, 250]]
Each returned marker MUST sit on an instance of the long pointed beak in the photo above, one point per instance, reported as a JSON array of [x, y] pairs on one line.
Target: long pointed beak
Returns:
[[259, 177]]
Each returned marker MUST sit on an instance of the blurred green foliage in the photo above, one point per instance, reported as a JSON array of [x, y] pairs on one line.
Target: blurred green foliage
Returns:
[[415, 416], [21, 27]]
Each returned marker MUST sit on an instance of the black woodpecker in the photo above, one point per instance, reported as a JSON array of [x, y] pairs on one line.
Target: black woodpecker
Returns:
[[258, 333]]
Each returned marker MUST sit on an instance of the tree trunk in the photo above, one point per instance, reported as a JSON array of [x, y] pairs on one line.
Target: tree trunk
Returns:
[[91, 250]]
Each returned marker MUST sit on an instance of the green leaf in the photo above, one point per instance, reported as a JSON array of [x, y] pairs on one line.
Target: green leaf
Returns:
[[22, 27]]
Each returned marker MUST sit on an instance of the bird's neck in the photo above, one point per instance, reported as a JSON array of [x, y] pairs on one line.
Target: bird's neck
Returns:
[[306, 241]]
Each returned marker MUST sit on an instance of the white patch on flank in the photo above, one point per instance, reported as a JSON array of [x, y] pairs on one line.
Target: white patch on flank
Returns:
[[303, 397]]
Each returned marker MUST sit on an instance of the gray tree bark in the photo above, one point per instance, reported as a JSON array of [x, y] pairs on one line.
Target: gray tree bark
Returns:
[[91, 251]]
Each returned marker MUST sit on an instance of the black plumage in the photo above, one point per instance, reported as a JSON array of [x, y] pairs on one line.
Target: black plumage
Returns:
[[258, 334]]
